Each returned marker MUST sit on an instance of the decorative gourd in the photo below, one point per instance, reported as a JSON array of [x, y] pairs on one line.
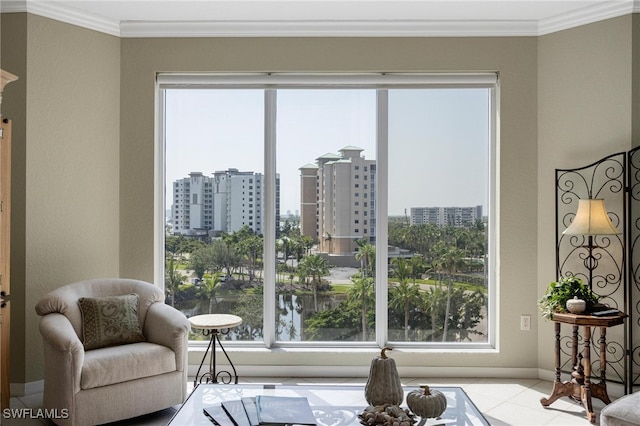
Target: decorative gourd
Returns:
[[427, 403], [383, 385]]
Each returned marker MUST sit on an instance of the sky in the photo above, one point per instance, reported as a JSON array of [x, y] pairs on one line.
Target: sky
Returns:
[[438, 138]]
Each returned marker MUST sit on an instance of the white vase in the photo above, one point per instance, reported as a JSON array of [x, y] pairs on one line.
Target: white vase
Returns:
[[576, 306]]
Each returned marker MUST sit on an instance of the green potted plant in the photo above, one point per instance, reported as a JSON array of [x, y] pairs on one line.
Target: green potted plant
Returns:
[[559, 292]]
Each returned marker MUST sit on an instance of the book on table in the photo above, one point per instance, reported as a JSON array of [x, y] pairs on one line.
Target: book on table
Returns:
[[236, 412], [284, 410], [251, 409], [218, 416], [268, 410]]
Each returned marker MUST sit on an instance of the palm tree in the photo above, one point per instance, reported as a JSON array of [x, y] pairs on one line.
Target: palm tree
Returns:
[[366, 255], [433, 298], [307, 243], [288, 246], [303, 274], [404, 295], [284, 245], [451, 261], [417, 265], [174, 279], [231, 259], [251, 247], [402, 268], [210, 288], [316, 267], [361, 292]]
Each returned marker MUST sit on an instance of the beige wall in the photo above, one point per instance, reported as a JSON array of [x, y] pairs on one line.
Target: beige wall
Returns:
[[514, 58], [84, 174], [585, 113], [67, 168]]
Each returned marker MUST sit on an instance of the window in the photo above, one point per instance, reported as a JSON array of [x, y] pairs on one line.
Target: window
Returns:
[[451, 252], [427, 140]]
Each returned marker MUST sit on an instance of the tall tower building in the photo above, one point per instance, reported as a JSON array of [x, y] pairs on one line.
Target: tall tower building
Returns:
[[191, 209], [344, 200], [309, 190], [239, 199], [225, 202]]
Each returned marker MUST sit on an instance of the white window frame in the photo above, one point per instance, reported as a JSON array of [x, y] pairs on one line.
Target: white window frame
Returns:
[[382, 82]]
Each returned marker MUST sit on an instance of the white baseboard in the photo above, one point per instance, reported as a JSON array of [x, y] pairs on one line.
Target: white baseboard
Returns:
[[615, 390]]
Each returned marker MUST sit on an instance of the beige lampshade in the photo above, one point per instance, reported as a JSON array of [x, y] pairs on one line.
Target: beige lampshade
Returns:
[[591, 219]]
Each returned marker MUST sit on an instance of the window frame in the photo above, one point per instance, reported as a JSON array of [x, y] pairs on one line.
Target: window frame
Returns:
[[382, 83]]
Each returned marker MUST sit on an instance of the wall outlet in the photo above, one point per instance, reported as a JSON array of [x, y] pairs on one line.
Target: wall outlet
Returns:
[[525, 322]]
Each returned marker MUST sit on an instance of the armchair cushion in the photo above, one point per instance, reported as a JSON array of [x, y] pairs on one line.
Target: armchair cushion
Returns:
[[110, 321], [103, 367]]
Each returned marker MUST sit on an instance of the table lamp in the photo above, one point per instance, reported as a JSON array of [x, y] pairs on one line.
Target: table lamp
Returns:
[[591, 220]]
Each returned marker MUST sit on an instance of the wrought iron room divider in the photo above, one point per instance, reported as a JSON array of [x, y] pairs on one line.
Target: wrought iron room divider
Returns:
[[615, 274]]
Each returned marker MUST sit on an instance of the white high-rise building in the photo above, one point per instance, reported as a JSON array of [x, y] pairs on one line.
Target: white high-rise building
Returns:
[[337, 202], [446, 216], [191, 208], [227, 201]]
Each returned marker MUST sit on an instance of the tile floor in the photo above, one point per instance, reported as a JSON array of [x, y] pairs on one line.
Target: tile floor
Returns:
[[502, 401]]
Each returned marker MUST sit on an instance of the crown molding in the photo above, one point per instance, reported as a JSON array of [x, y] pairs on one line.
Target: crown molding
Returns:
[[314, 28], [343, 28], [589, 15], [52, 10]]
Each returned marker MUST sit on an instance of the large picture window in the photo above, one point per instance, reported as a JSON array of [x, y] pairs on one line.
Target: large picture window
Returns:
[[331, 210]]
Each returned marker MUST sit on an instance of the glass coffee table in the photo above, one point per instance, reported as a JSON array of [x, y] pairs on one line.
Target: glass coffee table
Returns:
[[332, 405]]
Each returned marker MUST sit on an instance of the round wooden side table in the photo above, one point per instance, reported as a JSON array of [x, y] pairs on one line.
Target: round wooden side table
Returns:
[[214, 325]]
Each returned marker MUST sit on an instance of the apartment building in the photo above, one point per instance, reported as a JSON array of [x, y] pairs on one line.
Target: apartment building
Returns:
[[226, 201], [192, 206], [446, 216], [337, 202]]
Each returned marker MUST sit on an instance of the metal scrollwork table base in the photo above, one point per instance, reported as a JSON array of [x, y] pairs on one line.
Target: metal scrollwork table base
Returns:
[[214, 325]]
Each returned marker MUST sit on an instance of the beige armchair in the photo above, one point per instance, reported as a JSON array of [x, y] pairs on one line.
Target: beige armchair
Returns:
[[96, 386]]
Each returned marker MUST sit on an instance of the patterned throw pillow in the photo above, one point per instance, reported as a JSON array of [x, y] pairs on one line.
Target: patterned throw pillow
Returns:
[[110, 321]]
